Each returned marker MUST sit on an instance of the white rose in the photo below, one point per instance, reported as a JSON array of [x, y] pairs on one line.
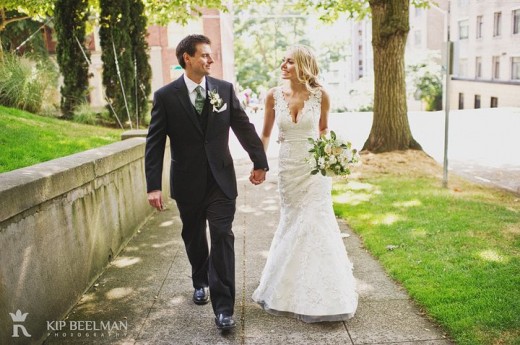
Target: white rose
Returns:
[[337, 150], [328, 149]]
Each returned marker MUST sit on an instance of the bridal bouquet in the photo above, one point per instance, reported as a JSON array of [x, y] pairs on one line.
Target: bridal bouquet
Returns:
[[331, 156]]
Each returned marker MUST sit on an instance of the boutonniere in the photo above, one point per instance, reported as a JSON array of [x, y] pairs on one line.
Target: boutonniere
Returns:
[[217, 102]]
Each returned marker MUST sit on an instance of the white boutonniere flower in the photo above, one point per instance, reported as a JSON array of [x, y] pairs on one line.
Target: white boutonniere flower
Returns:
[[216, 101]]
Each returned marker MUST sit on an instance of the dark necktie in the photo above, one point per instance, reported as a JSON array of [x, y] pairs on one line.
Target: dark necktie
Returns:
[[199, 100]]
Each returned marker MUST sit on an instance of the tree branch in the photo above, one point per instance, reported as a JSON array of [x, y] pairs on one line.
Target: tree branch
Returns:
[[4, 22]]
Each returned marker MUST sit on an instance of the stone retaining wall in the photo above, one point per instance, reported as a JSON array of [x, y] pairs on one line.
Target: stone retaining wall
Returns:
[[61, 222]]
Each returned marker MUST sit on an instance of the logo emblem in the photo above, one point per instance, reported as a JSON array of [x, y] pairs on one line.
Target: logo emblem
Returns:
[[19, 317]]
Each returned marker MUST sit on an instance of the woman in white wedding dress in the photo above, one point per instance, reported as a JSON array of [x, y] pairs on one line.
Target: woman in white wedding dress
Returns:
[[307, 275]]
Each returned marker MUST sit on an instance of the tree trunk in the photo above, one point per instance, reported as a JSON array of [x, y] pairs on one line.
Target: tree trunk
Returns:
[[390, 128]]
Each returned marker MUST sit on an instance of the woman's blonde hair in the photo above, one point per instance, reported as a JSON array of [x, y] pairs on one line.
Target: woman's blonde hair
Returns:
[[306, 66]]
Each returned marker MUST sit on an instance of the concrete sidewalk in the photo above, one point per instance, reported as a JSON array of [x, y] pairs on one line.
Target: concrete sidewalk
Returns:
[[144, 296]]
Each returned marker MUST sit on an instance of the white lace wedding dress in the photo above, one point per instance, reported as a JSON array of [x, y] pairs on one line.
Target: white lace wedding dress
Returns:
[[308, 274]]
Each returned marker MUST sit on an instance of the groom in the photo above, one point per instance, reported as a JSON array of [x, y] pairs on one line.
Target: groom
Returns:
[[196, 113]]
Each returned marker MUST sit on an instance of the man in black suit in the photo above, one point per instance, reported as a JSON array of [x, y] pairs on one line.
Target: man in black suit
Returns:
[[196, 112]]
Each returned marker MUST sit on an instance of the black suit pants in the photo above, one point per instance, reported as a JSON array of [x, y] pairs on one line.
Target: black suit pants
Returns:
[[216, 267]]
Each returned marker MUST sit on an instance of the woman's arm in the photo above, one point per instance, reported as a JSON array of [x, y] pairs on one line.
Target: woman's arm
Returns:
[[269, 116], [324, 117]]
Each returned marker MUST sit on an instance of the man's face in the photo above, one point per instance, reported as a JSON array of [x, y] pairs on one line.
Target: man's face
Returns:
[[199, 64]]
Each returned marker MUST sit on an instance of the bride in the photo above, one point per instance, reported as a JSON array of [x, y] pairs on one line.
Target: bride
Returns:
[[307, 275]]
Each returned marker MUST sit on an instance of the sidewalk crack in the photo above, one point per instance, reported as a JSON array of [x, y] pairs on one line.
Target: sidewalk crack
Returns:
[[138, 335], [243, 301]]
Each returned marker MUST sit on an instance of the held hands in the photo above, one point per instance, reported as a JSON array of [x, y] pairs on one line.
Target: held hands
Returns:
[[257, 176], [155, 199]]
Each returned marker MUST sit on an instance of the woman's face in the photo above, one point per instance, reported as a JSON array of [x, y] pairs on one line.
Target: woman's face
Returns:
[[288, 66]]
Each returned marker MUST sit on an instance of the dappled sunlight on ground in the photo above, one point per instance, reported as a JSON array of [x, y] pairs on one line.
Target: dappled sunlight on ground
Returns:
[[406, 204], [354, 192], [493, 256], [167, 223], [177, 300], [88, 298], [352, 198], [117, 293], [125, 261], [164, 244], [131, 249], [418, 233], [386, 219]]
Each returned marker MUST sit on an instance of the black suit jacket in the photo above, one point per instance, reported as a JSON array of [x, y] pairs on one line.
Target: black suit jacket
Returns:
[[192, 148]]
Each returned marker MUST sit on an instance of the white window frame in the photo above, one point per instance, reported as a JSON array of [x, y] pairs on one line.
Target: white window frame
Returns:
[[497, 24], [463, 34]]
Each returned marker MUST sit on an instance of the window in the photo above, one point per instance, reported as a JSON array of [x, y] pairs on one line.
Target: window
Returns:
[[478, 67], [515, 68], [477, 101], [479, 26], [516, 21], [497, 24], [494, 102], [461, 100], [463, 29], [496, 67]]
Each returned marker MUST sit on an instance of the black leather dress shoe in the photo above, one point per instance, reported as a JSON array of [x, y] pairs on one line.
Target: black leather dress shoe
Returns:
[[201, 296], [224, 322]]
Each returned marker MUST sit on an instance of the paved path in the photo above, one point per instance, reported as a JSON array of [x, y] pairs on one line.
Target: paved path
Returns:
[[147, 288]]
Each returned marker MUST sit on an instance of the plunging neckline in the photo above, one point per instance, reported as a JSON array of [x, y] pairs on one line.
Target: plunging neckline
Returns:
[[299, 114]]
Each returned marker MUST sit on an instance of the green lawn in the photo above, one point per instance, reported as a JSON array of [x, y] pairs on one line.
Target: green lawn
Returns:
[[457, 254], [27, 139]]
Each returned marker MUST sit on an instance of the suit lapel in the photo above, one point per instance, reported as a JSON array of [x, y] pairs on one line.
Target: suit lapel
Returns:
[[211, 113], [184, 100]]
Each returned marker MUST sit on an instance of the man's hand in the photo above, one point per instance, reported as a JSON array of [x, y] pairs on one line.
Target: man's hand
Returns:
[[257, 176], [155, 199]]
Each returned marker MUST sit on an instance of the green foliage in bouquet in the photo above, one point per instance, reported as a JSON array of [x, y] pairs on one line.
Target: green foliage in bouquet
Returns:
[[331, 156]]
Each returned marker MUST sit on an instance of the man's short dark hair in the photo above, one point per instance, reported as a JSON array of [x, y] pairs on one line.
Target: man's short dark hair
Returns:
[[189, 45]]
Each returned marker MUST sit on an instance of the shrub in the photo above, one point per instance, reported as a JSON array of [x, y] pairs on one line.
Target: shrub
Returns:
[[85, 114], [24, 81]]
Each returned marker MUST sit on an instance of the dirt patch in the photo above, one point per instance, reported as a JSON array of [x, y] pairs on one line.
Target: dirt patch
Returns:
[[411, 163]]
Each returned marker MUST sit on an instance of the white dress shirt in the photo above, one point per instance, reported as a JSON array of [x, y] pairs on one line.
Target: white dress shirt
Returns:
[[191, 85]]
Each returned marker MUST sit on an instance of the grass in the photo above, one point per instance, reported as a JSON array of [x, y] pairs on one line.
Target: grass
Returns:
[[27, 139], [457, 250]]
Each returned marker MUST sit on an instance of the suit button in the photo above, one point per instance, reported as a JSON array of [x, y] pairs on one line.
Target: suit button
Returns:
[[206, 142]]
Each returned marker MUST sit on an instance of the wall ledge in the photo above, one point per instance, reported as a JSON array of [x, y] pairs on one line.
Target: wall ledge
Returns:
[[45, 181]]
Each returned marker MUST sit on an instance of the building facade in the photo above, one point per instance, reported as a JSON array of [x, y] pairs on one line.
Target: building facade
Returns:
[[162, 41], [486, 61]]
